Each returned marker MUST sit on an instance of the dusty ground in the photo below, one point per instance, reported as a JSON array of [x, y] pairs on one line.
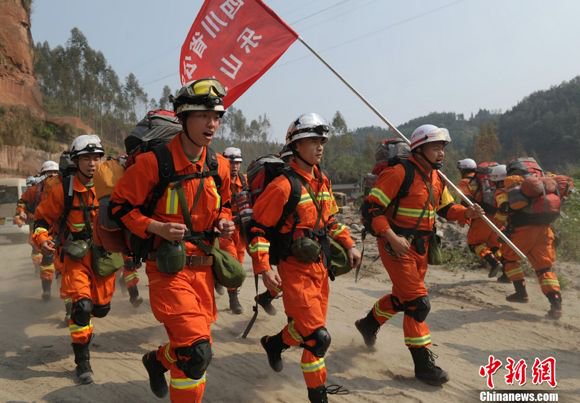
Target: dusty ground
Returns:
[[470, 320]]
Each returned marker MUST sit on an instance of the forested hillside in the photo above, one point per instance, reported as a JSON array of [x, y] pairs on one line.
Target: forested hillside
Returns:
[[76, 80]]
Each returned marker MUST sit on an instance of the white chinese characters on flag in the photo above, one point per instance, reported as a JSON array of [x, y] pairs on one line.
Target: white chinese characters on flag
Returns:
[[235, 41]]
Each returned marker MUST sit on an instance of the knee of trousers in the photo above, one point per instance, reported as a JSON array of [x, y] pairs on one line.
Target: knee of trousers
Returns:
[[418, 308], [81, 312], [195, 359], [100, 311], [321, 339]]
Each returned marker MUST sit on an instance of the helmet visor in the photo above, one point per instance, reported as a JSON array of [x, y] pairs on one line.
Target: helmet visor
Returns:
[[204, 87]]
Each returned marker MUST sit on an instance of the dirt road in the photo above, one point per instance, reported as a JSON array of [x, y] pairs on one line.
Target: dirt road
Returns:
[[469, 321]]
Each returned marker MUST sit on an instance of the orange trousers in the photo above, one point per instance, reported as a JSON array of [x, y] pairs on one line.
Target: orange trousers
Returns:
[[305, 292], [481, 238], [537, 243], [184, 302], [79, 281], [407, 273]]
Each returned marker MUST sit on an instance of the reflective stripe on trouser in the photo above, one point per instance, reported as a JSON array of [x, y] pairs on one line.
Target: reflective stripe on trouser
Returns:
[[36, 257], [537, 243], [79, 281], [184, 302], [130, 277], [305, 295], [482, 238], [407, 274], [47, 272]]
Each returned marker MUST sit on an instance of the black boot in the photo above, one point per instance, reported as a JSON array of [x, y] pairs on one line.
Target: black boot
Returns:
[[265, 301], [235, 302], [555, 311], [425, 368], [494, 265], [503, 279], [368, 327], [274, 347], [156, 372], [521, 295], [134, 297], [317, 395], [46, 284], [82, 359]]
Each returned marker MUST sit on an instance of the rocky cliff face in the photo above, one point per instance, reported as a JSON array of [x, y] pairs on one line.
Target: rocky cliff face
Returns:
[[17, 82]]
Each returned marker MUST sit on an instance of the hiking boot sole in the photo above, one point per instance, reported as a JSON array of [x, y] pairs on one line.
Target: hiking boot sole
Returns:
[[520, 300], [275, 363], [434, 382], [369, 342], [160, 390]]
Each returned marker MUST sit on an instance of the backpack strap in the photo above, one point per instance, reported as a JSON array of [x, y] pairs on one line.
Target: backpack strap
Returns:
[[293, 200], [405, 186], [212, 163], [244, 182]]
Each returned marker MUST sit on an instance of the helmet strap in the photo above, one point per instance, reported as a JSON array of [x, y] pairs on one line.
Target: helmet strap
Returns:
[[434, 165]]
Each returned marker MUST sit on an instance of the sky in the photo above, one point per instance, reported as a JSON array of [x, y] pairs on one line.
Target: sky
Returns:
[[408, 58]]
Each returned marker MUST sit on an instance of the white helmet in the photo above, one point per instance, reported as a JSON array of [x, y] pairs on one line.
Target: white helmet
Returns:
[[31, 180], [466, 164], [234, 154], [498, 173], [307, 125], [429, 134], [286, 153], [48, 166], [86, 144]]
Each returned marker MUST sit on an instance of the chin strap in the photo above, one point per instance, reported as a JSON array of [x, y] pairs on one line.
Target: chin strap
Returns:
[[434, 165]]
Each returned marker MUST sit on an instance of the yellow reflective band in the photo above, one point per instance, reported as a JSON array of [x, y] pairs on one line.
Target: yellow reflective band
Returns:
[[418, 341], [79, 226], [259, 247], [446, 198], [378, 193], [130, 277], [67, 300], [187, 383], [294, 333], [415, 213], [49, 267], [40, 230], [550, 281], [338, 231], [517, 270], [217, 195], [166, 353], [308, 367], [171, 201], [74, 328], [480, 248], [382, 313]]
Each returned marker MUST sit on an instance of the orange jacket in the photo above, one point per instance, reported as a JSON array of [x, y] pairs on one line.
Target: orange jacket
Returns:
[[468, 186], [387, 187], [51, 208], [236, 187], [136, 184], [29, 200], [269, 207]]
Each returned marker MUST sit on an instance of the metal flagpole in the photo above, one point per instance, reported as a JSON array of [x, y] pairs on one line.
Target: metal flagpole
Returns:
[[402, 136]]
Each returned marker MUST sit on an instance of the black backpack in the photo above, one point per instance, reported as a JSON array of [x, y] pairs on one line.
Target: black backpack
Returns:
[[260, 173], [365, 213]]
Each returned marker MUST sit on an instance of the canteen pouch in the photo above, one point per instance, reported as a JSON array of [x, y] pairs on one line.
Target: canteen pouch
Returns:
[[106, 263], [170, 257], [306, 250]]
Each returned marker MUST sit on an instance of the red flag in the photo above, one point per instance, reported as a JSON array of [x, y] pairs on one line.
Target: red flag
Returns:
[[235, 41]]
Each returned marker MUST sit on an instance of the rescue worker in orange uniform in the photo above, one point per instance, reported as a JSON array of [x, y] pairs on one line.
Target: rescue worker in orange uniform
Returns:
[[182, 297], [241, 211], [497, 176], [302, 274], [481, 239], [534, 237], [129, 279], [25, 214], [90, 293], [403, 243]]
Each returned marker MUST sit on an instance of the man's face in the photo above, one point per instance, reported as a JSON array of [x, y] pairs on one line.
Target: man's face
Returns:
[[311, 149], [235, 168], [434, 152], [202, 126], [88, 164]]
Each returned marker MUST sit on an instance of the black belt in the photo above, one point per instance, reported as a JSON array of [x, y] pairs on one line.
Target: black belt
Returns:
[[190, 260]]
